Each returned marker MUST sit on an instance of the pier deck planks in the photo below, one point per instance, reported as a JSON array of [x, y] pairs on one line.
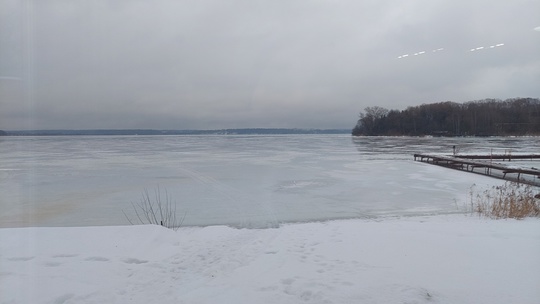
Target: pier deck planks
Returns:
[[469, 163]]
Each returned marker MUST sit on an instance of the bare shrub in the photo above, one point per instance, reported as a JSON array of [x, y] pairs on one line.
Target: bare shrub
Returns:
[[156, 210], [511, 200]]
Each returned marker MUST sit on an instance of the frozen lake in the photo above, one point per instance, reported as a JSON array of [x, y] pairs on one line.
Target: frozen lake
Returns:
[[242, 181]]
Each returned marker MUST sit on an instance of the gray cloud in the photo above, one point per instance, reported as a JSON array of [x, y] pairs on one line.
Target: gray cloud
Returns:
[[232, 64]]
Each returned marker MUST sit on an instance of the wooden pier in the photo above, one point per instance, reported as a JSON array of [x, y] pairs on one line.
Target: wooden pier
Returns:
[[470, 163], [508, 157]]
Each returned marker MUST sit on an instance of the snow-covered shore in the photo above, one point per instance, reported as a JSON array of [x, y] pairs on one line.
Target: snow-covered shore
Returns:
[[437, 259]]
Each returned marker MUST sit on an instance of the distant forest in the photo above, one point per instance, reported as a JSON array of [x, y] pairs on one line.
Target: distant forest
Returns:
[[488, 117]]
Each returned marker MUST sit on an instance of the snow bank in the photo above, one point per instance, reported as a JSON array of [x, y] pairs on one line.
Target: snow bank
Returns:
[[440, 259]]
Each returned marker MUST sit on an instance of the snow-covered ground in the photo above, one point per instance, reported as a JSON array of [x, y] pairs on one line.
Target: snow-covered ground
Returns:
[[437, 259]]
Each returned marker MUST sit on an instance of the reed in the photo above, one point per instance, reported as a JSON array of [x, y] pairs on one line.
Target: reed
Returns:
[[511, 200]]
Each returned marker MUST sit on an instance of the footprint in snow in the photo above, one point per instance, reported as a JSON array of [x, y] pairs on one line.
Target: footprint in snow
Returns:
[[134, 261], [21, 259], [66, 255], [63, 299], [97, 259]]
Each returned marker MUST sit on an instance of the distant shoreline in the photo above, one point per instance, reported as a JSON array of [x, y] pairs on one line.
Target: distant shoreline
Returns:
[[253, 131]]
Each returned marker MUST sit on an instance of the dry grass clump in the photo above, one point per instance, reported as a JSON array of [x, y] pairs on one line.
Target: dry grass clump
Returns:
[[511, 200], [156, 210]]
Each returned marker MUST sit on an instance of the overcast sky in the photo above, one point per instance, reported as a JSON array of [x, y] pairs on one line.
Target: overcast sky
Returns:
[[212, 64]]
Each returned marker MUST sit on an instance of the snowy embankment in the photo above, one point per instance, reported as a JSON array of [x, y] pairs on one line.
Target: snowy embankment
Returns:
[[439, 259]]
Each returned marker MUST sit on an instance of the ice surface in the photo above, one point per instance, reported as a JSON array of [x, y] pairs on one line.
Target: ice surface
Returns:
[[242, 181]]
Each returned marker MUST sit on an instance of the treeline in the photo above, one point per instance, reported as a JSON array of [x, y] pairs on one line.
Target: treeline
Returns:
[[488, 117]]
